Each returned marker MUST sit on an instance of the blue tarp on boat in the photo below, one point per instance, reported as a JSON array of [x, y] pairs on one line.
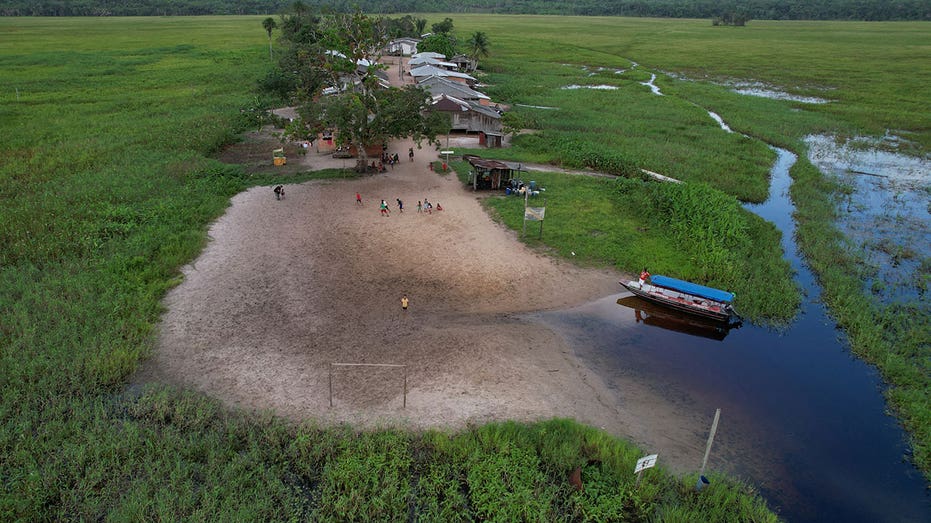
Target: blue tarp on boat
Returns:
[[692, 288]]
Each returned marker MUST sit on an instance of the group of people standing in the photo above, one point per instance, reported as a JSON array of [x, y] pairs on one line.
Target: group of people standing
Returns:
[[385, 210]]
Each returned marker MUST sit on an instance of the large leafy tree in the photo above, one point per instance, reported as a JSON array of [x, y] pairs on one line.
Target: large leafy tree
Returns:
[[299, 75], [444, 44], [352, 99], [444, 27]]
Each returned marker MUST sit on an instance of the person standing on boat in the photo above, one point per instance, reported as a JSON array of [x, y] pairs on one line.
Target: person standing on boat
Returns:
[[644, 276]]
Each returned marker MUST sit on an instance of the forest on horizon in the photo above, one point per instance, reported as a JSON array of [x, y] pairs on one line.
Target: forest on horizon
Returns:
[[866, 10]]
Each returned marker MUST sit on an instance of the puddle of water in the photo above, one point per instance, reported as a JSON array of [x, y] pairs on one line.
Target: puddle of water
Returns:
[[766, 91], [886, 211], [760, 89], [801, 418], [598, 87], [716, 117], [651, 85]]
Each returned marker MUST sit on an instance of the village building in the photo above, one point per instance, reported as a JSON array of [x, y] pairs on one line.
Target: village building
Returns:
[[471, 117], [436, 86], [421, 61], [429, 54], [489, 174], [430, 70], [463, 62], [402, 46]]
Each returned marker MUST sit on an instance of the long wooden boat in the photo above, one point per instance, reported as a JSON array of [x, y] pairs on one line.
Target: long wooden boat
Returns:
[[684, 296]]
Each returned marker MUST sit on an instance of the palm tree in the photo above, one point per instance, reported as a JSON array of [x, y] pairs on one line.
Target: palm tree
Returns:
[[269, 25], [478, 46]]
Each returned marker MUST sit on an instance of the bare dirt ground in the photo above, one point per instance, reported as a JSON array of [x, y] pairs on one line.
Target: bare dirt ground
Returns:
[[286, 288]]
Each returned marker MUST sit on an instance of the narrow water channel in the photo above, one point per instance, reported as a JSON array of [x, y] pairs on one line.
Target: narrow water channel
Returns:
[[802, 418]]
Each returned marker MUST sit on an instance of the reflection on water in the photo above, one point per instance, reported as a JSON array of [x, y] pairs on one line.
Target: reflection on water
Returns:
[[658, 316], [886, 210], [802, 418]]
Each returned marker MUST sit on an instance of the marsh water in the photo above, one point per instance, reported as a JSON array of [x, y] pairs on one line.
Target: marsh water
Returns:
[[802, 418]]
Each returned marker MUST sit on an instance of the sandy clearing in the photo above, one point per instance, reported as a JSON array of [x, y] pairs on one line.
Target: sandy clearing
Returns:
[[285, 288]]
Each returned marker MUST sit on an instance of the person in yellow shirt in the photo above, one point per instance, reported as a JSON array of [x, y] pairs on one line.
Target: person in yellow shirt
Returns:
[[404, 302]]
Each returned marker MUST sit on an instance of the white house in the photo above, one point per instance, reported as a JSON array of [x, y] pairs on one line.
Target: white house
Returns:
[[402, 46]]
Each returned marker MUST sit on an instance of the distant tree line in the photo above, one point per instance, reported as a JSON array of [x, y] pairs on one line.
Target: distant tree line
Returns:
[[748, 9]]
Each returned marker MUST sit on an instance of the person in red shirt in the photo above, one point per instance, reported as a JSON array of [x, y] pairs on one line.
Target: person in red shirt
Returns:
[[359, 198], [644, 276]]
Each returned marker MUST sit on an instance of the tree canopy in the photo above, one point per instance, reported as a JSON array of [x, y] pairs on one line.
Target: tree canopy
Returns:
[[445, 44], [751, 9], [334, 64]]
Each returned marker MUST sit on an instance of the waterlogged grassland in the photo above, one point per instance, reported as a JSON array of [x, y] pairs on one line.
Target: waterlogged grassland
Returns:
[[875, 75], [107, 187], [622, 130]]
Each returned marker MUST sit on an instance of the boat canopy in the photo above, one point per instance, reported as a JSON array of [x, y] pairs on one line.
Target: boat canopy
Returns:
[[692, 288]]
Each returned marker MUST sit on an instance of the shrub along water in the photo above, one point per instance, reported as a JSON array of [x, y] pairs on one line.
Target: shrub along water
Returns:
[[106, 189]]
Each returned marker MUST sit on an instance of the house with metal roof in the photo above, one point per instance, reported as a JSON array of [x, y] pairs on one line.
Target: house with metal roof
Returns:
[[489, 174], [463, 62], [436, 86], [429, 54], [421, 61], [471, 117], [430, 70]]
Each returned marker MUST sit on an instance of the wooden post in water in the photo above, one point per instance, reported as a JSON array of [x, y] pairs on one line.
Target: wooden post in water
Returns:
[[714, 428]]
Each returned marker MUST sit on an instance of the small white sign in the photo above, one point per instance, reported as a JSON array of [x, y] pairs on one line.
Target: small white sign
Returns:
[[447, 152], [645, 463], [534, 214]]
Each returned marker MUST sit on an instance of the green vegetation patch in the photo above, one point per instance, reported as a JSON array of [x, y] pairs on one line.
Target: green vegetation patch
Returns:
[[690, 231]]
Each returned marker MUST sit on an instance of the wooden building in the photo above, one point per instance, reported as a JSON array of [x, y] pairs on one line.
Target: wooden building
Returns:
[[488, 174]]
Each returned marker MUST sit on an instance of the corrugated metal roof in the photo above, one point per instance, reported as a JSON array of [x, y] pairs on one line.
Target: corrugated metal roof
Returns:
[[488, 164]]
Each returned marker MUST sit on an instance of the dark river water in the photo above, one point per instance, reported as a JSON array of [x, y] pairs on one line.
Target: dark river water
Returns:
[[802, 418]]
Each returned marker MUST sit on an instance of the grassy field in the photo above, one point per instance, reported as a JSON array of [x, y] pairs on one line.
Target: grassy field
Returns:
[[107, 187], [873, 73]]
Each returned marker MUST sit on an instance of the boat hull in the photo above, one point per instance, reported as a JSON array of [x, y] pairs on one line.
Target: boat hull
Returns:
[[679, 301]]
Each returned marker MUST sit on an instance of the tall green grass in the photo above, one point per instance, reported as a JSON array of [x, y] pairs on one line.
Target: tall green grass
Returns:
[[690, 231], [107, 187]]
